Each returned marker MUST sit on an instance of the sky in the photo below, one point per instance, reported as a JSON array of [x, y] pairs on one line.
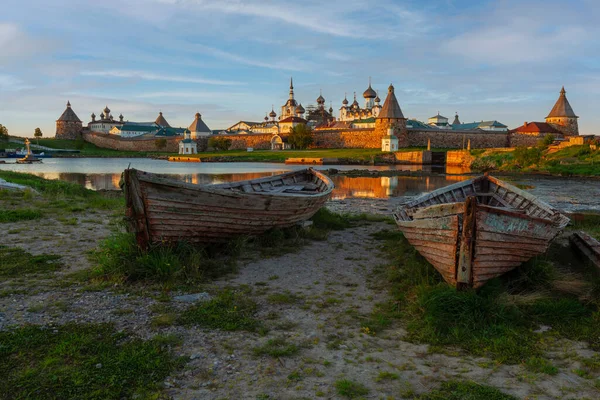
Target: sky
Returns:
[[232, 60]]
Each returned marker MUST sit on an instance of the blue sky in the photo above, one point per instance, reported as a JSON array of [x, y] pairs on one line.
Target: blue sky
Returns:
[[231, 60]]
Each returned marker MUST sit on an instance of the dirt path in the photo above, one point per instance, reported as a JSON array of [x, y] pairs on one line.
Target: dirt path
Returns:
[[314, 298]]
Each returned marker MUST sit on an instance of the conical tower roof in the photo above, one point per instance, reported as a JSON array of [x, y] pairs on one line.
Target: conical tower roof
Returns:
[[161, 121], [391, 108], [562, 108], [69, 115], [456, 120], [198, 125]]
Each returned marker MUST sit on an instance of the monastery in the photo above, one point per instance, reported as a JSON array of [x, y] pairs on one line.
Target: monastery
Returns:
[[357, 126]]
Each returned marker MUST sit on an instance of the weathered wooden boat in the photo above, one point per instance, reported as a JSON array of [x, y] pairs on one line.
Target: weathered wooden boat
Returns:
[[478, 229], [161, 209], [587, 246]]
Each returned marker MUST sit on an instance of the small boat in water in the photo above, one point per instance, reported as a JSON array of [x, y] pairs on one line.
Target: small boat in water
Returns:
[[478, 229], [165, 209]]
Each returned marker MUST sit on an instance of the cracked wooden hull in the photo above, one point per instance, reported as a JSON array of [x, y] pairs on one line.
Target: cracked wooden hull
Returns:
[[161, 209], [476, 230]]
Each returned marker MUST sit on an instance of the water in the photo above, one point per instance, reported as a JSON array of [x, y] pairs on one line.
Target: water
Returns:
[[105, 173]]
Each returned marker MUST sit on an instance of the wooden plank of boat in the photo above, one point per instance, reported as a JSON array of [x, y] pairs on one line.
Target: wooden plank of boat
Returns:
[[588, 246], [164, 209], [502, 228]]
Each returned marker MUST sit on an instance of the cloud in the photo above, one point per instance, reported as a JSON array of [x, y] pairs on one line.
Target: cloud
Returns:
[[16, 45], [11, 83], [150, 76]]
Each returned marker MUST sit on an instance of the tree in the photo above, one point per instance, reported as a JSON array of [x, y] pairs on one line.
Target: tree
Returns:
[[301, 136], [220, 143], [38, 135], [160, 143], [3, 132], [547, 140]]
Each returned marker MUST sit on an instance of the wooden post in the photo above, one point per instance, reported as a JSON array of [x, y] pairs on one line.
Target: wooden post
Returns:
[[464, 273]]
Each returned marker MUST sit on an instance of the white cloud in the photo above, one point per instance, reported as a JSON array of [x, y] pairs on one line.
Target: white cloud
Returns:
[[11, 83], [150, 76], [16, 45]]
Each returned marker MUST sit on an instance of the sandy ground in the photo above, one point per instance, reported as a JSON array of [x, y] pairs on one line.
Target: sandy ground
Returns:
[[335, 290]]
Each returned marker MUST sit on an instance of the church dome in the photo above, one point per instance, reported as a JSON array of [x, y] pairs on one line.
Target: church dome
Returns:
[[320, 99], [345, 102], [300, 109], [369, 93], [106, 110], [272, 114]]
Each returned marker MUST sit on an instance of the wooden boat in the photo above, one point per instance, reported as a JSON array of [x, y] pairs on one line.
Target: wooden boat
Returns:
[[587, 246], [478, 229], [164, 209]]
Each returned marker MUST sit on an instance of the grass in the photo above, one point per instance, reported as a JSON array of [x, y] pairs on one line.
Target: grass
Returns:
[[228, 311], [498, 320], [541, 365], [21, 214], [465, 390], [277, 347], [574, 160], [283, 298], [64, 195], [15, 262], [589, 223], [118, 258], [350, 389], [81, 361], [86, 149]]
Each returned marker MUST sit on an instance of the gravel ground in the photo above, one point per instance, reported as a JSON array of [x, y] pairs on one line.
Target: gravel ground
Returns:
[[334, 288]]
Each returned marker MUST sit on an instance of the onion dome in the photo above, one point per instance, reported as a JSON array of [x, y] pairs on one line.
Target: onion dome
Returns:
[[300, 109], [355, 103], [121, 117], [320, 99], [93, 115], [369, 93], [266, 117], [272, 114], [345, 102], [106, 111], [377, 99]]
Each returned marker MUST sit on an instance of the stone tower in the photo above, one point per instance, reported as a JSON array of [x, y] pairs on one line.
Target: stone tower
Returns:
[[68, 126], [391, 116], [562, 116]]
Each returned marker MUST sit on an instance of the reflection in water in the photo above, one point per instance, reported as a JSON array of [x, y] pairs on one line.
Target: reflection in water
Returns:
[[345, 186]]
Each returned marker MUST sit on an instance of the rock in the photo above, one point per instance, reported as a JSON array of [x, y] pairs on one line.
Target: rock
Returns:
[[98, 365], [543, 328], [194, 356], [192, 298]]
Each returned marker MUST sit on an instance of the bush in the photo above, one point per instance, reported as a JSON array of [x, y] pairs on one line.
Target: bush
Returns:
[[547, 141], [220, 143], [525, 157], [301, 136], [160, 143]]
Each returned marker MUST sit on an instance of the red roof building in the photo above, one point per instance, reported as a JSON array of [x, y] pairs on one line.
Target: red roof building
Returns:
[[536, 129]]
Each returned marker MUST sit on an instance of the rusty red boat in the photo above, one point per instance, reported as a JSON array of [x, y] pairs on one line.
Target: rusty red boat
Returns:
[[478, 229]]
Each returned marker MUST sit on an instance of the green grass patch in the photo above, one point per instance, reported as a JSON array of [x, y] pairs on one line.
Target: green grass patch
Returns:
[[80, 362], [286, 297], [228, 311], [541, 365], [118, 258], [386, 376], [278, 347], [325, 219], [351, 389], [21, 214], [15, 262], [465, 390], [497, 321], [68, 195]]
